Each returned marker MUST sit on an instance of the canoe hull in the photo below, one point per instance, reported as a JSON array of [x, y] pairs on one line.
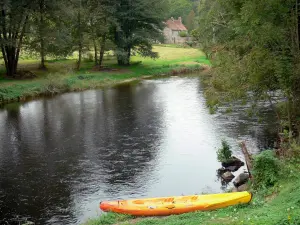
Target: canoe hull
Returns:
[[175, 205]]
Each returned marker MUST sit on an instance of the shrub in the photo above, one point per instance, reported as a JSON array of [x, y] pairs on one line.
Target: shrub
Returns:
[[183, 34], [224, 153], [53, 85], [265, 169], [191, 43]]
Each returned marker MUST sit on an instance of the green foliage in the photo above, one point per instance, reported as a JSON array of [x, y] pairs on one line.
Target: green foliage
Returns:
[[254, 47], [183, 34], [224, 153], [108, 219], [266, 169], [138, 26], [61, 77], [190, 20], [179, 8]]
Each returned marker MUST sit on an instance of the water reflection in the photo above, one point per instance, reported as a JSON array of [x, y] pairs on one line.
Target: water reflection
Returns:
[[59, 157]]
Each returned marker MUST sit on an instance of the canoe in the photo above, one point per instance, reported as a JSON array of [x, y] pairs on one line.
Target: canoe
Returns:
[[175, 205]]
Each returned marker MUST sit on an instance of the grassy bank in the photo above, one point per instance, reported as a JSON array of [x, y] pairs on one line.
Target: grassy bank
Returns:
[[278, 205], [61, 77]]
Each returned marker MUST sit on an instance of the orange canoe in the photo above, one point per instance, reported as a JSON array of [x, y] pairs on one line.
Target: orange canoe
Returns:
[[175, 205]]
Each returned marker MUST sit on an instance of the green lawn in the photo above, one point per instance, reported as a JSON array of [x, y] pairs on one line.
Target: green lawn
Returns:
[[62, 77], [278, 205]]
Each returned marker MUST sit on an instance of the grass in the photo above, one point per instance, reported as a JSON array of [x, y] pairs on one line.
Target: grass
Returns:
[[61, 76], [278, 205]]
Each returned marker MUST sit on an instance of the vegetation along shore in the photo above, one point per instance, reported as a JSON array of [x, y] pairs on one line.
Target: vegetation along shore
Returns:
[[61, 75]]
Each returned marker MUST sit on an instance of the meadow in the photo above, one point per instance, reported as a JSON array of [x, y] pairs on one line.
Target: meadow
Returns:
[[61, 75]]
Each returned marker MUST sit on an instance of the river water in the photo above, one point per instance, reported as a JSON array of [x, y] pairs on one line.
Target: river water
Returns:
[[60, 157]]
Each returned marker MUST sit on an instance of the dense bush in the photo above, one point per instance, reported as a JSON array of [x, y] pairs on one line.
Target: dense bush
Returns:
[[224, 153], [183, 34], [265, 169]]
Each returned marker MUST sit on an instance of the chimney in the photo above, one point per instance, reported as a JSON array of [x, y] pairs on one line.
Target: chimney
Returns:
[[180, 20]]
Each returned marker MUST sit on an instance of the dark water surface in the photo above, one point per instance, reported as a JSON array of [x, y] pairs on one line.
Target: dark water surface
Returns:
[[60, 157]]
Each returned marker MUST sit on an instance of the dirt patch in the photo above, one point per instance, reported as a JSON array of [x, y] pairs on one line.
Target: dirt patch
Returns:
[[110, 70], [22, 75], [206, 67], [269, 198], [189, 63]]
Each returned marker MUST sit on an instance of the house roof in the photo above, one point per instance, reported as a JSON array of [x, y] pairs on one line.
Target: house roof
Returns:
[[175, 24]]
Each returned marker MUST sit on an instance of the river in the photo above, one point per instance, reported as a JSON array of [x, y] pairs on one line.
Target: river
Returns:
[[61, 156]]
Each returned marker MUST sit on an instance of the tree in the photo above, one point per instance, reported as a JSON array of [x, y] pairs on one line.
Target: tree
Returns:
[[101, 20], [255, 49], [179, 8], [79, 32], [138, 25], [190, 20], [14, 21], [48, 32]]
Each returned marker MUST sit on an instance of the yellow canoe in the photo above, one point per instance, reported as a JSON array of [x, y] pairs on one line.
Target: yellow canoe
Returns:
[[175, 205]]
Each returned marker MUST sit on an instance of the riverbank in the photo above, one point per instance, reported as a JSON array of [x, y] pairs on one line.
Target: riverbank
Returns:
[[60, 77], [273, 205]]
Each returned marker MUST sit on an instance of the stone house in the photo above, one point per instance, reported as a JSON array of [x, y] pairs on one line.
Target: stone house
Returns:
[[172, 30]]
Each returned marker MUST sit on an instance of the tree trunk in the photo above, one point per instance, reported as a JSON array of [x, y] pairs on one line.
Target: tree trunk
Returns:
[[96, 52], [42, 66], [120, 60], [123, 51], [128, 55], [297, 26], [42, 33], [79, 56], [11, 43], [124, 59], [11, 57], [79, 39], [289, 112], [248, 158], [102, 49]]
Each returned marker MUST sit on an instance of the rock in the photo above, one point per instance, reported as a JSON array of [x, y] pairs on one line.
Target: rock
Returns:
[[234, 189], [241, 179], [232, 168], [242, 188], [221, 171], [29, 223], [233, 162], [227, 176]]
